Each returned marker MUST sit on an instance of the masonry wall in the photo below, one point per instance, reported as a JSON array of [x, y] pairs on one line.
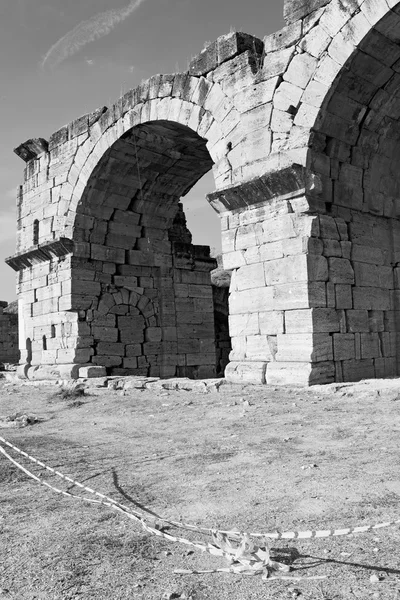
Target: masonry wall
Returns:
[[301, 131], [9, 352]]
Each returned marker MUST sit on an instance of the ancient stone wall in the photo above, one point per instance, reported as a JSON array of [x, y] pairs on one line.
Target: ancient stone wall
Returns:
[[9, 352], [301, 131]]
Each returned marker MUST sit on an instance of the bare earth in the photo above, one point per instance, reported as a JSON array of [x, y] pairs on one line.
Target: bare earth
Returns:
[[253, 458]]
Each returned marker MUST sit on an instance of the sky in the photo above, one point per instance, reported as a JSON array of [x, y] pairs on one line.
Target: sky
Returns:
[[60, 59]]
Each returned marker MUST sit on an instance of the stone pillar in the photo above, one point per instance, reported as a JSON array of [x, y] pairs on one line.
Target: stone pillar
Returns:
[[280, 323]]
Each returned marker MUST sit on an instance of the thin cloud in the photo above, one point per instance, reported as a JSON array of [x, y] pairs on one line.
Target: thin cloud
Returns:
[[87, 31]]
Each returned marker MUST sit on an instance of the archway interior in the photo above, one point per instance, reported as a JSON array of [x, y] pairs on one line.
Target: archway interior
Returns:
[[356, 151], [141, 288]]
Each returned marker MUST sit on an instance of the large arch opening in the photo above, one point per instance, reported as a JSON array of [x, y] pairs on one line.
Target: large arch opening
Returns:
[[355, 149], [141, 288]]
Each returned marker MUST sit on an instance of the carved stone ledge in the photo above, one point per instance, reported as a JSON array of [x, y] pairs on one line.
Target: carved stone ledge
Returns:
[[31, 149], [40, 253], [275, 184]]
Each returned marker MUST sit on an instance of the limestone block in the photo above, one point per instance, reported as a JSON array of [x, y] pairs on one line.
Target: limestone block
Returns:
[[300, 373], [301, 69], [357, 320], [374, 10], [371, 298], [250, 277], [296, 268], [332, 248], [107, 361], [107, 253], [343, 296], [72, 355], [366, 274], [370, 345], [299, 295], [258, 300], [37, 373], [105, 334], [315, 42], [281, 122], [110, 348], [275, 64], [287, 36], [376, 320], [89, 371], [367, 254], [261, 347], [340, 271], [133, 350], [344, 346], [258, 94], [270, 322], [234, 260], [314, 320], [245, 372], [355, 370], [385, 367], [245, 324], [303, 347]]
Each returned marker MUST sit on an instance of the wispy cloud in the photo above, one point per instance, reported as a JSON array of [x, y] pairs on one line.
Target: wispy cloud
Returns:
[[86, 32]]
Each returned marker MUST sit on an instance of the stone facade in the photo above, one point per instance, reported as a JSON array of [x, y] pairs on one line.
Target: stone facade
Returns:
[[9, 352], [302, 133]]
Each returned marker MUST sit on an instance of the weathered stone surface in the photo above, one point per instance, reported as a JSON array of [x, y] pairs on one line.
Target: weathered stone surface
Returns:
[[9, 352], [302, 132]]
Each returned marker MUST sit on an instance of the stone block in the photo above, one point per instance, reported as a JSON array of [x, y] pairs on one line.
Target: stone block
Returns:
[[357, 321], [343, 296], [90, 371], [261, 347], [270, 323], [344, 346], [250, 277], [292, 296], [371, 298], [110, 348], [246, 324], [376, 320], [301, 69], [246, 372], [340, 271], [370, 345], [385, 367], [259, 300], [355, 370], [313, 320], [107, 361], [300, 373], [304, 347]]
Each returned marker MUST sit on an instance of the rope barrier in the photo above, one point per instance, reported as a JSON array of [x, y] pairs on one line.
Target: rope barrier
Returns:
[[245, 556]]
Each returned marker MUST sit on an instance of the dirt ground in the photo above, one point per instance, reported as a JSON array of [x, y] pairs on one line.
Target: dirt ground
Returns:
[[253, 458]]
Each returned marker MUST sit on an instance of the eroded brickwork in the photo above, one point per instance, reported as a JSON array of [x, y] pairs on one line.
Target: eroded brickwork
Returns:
[[302, 133]]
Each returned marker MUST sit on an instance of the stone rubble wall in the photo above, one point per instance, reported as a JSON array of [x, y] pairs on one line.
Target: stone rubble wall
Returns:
[[9, 352]]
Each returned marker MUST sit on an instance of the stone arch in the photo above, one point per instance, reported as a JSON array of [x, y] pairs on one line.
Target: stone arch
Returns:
[[195, 103], [353, 151], [306, 186], [146, 303], [334, 121]]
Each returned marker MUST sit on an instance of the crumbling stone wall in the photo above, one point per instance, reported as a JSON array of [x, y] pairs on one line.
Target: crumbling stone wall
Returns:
[[9, 352], [301, 131]]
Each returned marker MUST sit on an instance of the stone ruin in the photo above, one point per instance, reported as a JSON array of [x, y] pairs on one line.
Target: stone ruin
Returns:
[[302, 133], [9, 352]]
